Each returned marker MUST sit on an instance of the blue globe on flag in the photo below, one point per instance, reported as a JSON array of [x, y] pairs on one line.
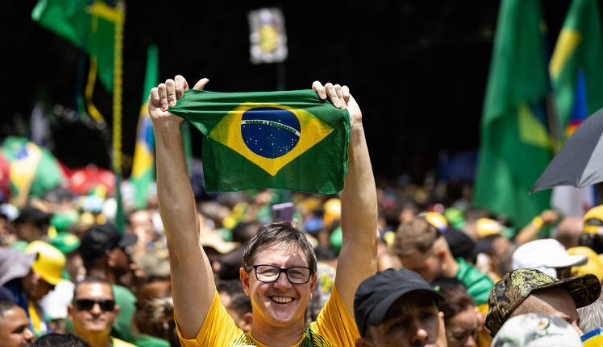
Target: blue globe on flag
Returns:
[[270, 132]]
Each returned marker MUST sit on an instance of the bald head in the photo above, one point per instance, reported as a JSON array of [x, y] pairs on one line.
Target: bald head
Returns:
[[569, 231]]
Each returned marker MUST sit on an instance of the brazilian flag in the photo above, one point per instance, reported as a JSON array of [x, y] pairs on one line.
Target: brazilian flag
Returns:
[[287, 139]]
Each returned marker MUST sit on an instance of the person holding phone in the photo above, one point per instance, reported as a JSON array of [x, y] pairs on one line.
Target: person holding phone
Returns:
[[279, 266]]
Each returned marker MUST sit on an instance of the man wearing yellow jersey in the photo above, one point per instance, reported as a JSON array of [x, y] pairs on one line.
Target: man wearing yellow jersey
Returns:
[[279, 266]]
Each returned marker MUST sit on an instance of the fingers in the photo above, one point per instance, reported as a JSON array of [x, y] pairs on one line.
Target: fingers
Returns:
[[332, 93], [154, 98], [201, 84], [320, 90], [170, 87], [181, 86], [339, 92], [346, 94], [162, 91]]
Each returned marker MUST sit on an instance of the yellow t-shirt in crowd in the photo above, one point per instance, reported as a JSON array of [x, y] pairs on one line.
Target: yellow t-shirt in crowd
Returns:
[[334, 327], [119, 343]]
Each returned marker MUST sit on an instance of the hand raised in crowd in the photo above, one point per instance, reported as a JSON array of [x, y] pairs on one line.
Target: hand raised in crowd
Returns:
[[340, 97], [165, 95], [549, 217]]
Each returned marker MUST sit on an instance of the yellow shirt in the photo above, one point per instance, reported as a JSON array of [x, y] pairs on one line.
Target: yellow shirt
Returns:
[[120, 343], [334, 327]]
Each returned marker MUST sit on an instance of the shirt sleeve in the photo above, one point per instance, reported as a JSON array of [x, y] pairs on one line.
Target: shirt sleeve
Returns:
[[335, 324], [218, 329]]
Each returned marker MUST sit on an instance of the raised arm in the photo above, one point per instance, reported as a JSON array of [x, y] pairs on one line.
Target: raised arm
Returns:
[[190, 269], [358, 255]]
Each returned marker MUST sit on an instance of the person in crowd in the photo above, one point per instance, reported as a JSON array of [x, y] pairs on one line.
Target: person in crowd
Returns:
[[531, 291], [231, 261], [422, 248], [397, 308], [27, 278], [32, 224], [537, 329], [568, 231], [460, 316], [501, 255], [592, 235], [548, 256], [93, 312], [154, 315], [60, 340], [591, 316], [594, 265], [107, 255], [14, 325], [279, 264], [140, 223], [237, 304]]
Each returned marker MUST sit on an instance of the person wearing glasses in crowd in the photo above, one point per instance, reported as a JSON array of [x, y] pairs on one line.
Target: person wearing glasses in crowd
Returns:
[[93, 312], [279, 264]]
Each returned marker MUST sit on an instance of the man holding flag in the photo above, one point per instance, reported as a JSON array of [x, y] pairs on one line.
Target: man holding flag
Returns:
[[279, 271]]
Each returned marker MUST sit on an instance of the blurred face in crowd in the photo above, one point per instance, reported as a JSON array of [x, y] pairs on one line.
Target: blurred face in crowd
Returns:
[[142, 225], [146, 316], [35, 287], [427, 264], [555, 301], [93, 310], [412, 321], [280, 303], [461, 329], [119, 259], [14, 329]]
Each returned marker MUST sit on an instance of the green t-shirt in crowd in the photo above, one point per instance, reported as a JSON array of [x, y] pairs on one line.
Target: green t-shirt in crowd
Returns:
[[478, 284], [150, 341], [127, 301]]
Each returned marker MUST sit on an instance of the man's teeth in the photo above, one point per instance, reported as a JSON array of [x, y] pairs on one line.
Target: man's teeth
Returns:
[[281, 300]]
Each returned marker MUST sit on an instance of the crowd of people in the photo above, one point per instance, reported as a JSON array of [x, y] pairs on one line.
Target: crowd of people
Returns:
[[375, 265]]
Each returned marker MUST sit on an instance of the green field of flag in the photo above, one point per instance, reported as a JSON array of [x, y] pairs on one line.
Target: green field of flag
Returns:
[[290, 140], [515, 143]]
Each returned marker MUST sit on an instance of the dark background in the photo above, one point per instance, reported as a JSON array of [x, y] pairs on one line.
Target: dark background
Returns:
[[418, 69]]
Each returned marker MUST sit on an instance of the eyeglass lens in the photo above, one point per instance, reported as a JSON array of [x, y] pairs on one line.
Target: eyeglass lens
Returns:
[[88, 304], [295, 274]]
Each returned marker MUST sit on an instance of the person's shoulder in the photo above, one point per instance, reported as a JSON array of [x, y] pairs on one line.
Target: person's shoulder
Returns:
[[120, 343], [122, 292]]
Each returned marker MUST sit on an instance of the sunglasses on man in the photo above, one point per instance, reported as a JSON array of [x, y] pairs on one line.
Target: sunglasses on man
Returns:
[[88, 304]]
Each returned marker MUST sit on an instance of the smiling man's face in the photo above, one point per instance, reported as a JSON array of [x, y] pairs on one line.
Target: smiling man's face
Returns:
[[278, 304], [94, 319]]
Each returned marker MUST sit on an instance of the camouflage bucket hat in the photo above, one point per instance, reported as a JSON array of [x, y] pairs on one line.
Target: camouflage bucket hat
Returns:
[[516, 286]]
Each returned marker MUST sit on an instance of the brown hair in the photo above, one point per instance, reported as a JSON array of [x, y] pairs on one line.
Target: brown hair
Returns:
[[279, 232], [415, 235], [457, 300]]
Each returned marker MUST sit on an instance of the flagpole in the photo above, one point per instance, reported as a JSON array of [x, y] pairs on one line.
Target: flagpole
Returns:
[[117, 114]]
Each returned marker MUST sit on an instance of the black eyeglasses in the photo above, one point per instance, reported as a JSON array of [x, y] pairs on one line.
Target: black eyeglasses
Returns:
[[271, 273], [88, 304]]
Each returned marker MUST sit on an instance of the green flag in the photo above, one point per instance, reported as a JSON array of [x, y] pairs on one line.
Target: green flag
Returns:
[[577, 65], [515, 139], [143, 168], [88, 24], [290, 140]]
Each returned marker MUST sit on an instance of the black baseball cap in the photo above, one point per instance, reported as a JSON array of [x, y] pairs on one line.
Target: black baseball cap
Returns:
[[30, 213], [376, 294], [100, 238]]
